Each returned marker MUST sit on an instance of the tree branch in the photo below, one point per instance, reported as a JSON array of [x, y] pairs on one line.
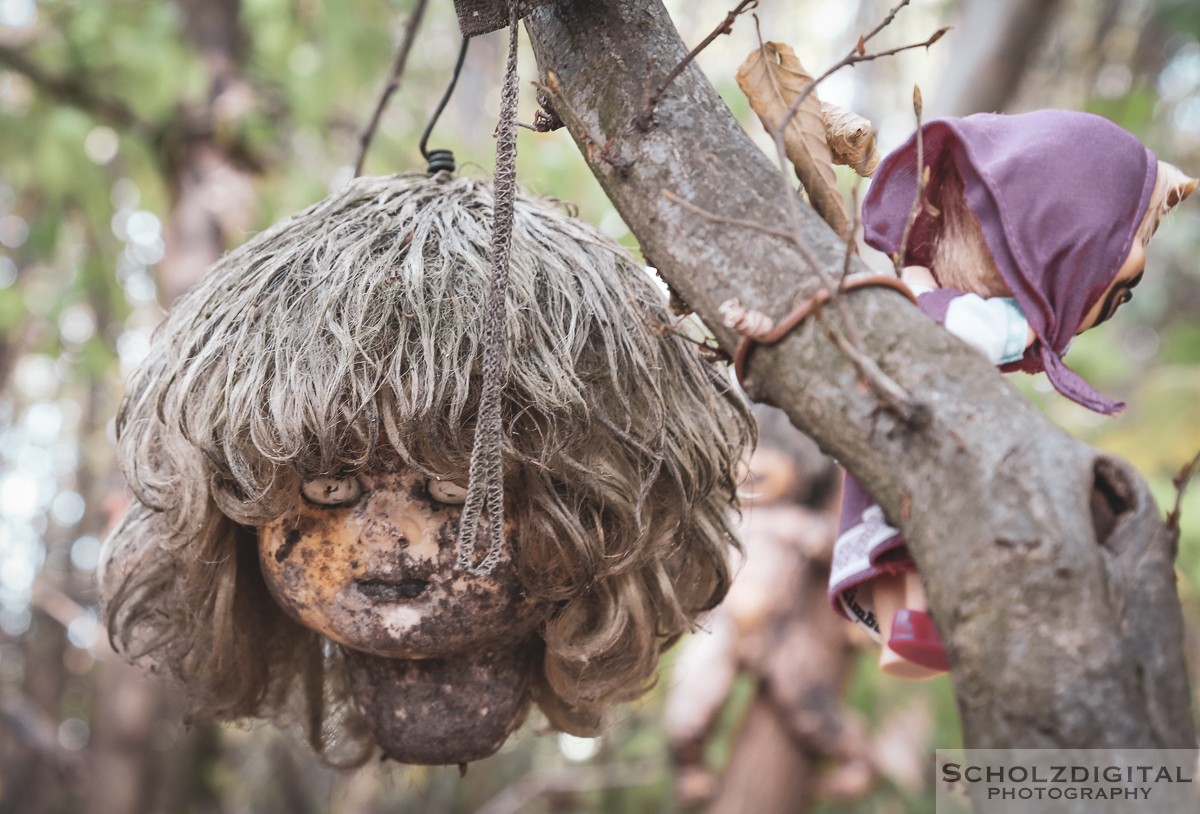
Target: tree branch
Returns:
[[71, 91], [1059, 635], [646, 115], [1181, 481], [401, 59], [570, 780]]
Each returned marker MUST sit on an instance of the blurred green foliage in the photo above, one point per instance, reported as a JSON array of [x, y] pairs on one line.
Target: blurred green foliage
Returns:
[[95, 138]]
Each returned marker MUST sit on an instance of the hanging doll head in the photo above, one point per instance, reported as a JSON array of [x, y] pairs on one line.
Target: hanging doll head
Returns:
[[1054, 208], [297, 443]]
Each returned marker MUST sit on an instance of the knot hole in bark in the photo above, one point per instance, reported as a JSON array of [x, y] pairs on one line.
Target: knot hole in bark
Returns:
[[1112, 498]]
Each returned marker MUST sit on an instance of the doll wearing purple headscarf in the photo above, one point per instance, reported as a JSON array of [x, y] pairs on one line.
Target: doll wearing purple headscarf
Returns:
[[1034, 231]]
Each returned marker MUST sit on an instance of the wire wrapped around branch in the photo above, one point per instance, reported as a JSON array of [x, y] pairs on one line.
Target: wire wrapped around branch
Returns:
[[757, 328]]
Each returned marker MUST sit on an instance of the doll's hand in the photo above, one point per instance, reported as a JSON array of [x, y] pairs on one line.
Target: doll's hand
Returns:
[[918, 276]]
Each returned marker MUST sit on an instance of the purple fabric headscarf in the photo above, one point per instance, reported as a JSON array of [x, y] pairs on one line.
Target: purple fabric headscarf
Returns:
[[1059, 194]]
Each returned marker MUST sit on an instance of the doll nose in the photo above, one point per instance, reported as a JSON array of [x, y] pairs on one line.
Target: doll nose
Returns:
[[397, 524]]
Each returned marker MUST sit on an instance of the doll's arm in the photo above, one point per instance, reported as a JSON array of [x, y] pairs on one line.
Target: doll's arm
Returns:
[[995, 326]]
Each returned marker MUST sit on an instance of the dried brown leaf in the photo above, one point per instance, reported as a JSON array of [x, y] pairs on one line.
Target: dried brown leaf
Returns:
[[772, 79], [851, 139]]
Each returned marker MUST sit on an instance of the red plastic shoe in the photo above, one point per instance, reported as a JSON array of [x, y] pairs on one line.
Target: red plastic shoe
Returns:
[[915, 638]]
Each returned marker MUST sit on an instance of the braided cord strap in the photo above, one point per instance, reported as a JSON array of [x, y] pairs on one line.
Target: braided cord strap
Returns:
[[485, 486]]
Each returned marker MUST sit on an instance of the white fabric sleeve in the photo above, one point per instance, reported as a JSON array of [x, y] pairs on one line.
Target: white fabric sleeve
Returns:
[[996, 326]]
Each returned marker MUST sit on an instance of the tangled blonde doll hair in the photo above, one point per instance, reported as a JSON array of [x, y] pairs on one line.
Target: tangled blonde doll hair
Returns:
[[961, 259], [349, 334]]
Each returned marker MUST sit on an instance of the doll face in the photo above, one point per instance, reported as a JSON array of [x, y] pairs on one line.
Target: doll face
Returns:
[[1121, 289], [370, 561]]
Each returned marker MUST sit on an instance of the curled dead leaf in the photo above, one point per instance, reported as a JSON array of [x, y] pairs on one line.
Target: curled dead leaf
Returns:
[[773, 80], [851, 139]]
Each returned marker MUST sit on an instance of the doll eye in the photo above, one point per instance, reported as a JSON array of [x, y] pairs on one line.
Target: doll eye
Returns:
[[446, 491], [332, 491]]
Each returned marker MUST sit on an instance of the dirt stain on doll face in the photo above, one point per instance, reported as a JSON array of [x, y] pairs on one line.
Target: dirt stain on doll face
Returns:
[[289, 542], [371, 562]]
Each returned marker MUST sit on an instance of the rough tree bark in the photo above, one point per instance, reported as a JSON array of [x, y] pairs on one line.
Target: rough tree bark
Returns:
[[1047, 563]]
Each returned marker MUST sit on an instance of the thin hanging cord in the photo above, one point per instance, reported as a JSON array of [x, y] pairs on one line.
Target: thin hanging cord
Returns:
[[443, 159], [485, 486]]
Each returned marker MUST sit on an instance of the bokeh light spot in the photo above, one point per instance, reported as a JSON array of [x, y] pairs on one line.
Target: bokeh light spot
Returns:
[[18, 13], [8, 272], [73, 734], [576, 748], [101, 144], [14, 231], [68, 508], [77, 324], [85, 553]]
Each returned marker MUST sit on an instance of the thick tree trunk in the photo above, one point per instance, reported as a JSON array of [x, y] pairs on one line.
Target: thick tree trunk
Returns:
[[1047, 563]]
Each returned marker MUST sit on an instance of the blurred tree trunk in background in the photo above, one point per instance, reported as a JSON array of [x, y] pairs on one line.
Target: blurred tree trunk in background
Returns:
[[212, 187], [212, 195], [992, 49], [39, 783]]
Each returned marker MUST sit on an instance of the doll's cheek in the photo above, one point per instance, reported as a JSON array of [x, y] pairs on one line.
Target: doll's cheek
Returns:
[[306, 561]]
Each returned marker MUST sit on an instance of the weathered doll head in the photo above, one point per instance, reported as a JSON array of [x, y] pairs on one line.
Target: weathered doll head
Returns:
[[1053, 207], [297, 443]]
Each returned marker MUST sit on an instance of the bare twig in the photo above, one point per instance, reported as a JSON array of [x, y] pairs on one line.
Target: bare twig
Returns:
[[646, 116], [519, 795], [715, 218], [922, 180], [402, 51], [850, 245], [884, 23], [1181, 484], [894, 397], [707, 345], [845, 334], [885, 387], [892, 394], [65, 610], [71, 91], [858, 54]]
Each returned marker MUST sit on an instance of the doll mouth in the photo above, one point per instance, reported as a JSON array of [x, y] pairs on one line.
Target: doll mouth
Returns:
[[392, 591]]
